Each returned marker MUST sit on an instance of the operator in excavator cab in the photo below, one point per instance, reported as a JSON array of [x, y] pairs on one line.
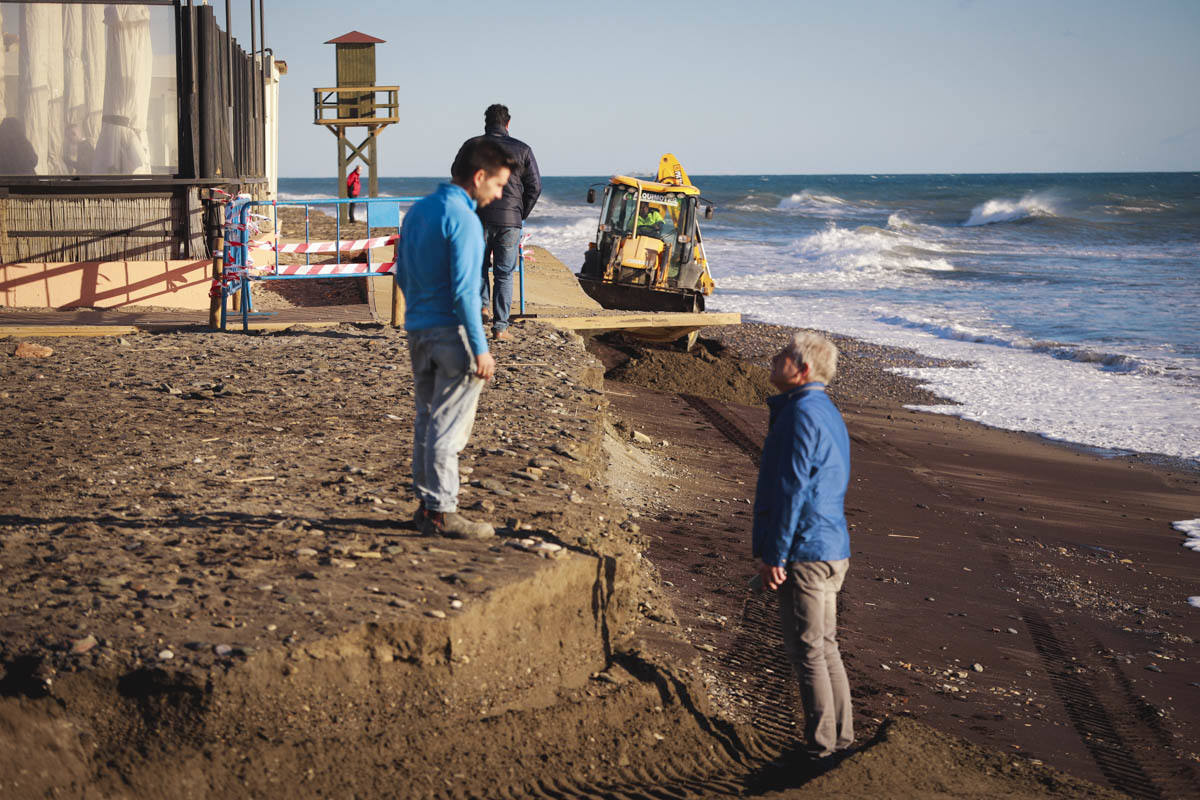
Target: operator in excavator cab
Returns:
[[650, 221]]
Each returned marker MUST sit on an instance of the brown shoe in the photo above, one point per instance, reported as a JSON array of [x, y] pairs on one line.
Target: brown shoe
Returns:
[[502, 336], [487, 315], [419, 516], [453, 525]]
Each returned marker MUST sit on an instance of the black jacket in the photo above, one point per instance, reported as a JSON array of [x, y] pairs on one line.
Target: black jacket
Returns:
[[524, 185]]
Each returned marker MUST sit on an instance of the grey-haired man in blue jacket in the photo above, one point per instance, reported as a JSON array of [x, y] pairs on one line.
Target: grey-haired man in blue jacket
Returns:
[[801, 539]]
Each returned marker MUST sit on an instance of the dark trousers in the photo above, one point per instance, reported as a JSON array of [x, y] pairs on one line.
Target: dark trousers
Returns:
[[502, 246]]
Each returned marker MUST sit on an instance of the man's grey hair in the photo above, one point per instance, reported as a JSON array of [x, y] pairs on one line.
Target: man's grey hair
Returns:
[[807, 347]]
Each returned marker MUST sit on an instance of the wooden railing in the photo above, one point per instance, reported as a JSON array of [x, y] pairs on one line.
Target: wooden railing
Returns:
[[356, 105]]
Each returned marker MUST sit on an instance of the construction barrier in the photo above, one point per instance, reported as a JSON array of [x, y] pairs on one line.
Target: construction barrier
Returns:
[[242, 227]]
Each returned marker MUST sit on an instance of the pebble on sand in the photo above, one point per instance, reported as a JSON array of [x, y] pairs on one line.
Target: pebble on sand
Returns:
[[81, 646], [31, 350]]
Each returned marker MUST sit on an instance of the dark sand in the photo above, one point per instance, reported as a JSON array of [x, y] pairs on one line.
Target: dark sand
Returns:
[[1054, 570]]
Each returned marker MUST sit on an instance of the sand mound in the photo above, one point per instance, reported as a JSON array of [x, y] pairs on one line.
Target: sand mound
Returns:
[[709, 370]]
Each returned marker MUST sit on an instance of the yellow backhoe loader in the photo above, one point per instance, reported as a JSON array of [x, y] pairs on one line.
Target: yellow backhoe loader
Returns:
[[648, 254]]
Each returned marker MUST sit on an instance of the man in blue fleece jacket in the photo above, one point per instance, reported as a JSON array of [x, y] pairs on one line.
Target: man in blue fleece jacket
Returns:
[[437, 269], [801, 539]]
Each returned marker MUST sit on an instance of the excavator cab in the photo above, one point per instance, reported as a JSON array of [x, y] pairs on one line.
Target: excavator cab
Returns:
[[648, 254]]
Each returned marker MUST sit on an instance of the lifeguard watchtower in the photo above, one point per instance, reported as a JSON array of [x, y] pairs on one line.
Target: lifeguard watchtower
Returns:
[[355, 103]]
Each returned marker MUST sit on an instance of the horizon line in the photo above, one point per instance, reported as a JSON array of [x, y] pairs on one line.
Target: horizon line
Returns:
[[877, 173]]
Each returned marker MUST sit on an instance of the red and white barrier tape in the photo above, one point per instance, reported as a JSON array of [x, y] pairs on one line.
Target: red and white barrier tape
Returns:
[[525, 254], [335, 270], [328, 247]]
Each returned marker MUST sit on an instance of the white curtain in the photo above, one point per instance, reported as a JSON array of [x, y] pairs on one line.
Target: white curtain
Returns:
[[74, 108], [123, 147], [3, 76], [34, 78], [93, 71], [54, 78]]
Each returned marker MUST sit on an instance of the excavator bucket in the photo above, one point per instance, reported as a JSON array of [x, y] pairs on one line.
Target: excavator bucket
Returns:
[[610, 294]]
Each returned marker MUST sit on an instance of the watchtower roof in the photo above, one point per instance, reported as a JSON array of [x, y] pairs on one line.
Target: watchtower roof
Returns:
[[356, 37]]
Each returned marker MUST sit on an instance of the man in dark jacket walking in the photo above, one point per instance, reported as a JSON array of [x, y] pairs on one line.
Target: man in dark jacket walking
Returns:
[[502, 220], [801, 539]]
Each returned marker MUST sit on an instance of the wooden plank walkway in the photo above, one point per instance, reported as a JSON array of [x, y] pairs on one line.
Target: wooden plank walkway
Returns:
[[597, 323], [118, 323]]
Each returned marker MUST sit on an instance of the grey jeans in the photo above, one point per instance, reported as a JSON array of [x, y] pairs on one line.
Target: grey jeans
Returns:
[[446, 392], [808, 615]]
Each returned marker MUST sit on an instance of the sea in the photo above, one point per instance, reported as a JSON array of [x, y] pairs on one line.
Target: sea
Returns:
[[1074, 298]]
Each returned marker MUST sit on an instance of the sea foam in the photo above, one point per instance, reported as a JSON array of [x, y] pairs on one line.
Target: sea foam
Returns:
[[567, 241], [1190, 528], [1006, 387], [980, 334]]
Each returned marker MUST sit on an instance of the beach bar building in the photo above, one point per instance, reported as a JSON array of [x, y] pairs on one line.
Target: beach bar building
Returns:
[[118, 121]]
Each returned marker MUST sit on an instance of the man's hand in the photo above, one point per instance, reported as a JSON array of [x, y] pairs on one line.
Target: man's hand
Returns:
[[485, 366], [772, 577]]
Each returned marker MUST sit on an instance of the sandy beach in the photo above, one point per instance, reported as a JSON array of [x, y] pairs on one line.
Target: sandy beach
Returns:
[[210, 583]]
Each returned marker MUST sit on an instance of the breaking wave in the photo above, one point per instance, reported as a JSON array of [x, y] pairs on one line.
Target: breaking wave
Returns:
[[547, 207], [899, 221], [807, 200], [868, 246], [566, 242], [1002, 210], [802, 203]]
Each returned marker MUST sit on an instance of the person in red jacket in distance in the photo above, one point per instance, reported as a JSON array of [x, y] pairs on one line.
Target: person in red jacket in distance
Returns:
[[353, 188]]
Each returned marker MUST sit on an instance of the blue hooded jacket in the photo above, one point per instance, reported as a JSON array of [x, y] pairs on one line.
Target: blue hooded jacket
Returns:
[[799, 510]]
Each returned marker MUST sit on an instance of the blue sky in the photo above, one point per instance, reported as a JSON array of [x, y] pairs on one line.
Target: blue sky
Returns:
[[763, 87]]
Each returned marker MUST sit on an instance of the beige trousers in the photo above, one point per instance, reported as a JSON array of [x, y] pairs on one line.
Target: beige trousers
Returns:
[[808, 614]]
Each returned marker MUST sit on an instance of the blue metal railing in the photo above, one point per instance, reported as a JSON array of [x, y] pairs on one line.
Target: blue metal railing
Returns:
[[240, 226]]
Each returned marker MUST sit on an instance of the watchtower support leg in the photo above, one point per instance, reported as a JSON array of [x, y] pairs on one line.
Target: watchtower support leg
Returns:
[[372, 161], [343, 162]]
